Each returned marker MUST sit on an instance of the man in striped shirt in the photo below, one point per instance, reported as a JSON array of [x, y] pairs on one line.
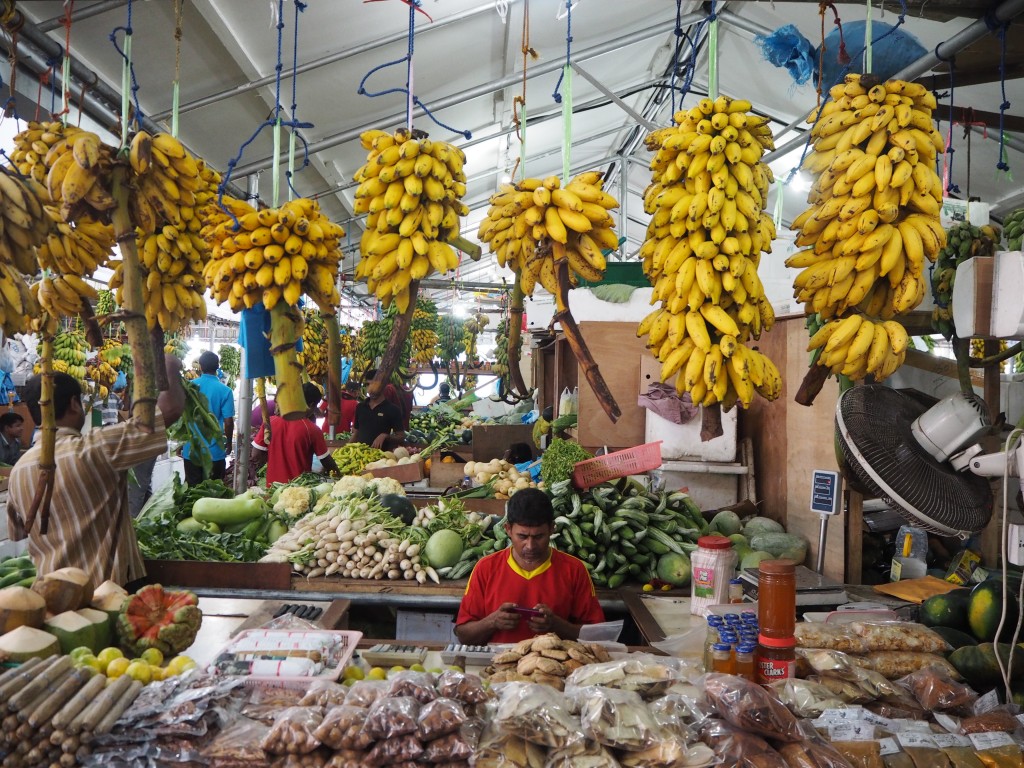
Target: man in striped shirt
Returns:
[[90, 525]]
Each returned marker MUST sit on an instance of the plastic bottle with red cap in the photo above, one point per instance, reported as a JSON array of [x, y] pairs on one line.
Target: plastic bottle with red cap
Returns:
[[776, 609], [714, 565]]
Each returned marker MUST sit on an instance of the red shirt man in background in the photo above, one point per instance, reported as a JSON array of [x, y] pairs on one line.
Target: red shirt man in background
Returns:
[[531, 575], [293, 443]]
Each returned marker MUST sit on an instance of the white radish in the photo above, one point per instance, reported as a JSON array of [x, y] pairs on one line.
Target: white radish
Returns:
[[412, 550], [405, 565], [432, 575], [394, 573], [421, 577], [316, 572], [409, 575]]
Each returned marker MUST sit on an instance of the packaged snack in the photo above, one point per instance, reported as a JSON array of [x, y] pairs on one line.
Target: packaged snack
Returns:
[[347, 758], [739, 749], [389, 717], [648, 675], [750, 707], [581, 753], [898, 760], [446, 749], [927, 757], [537, 713], [846, 691], [812, 753], [616, 719], [899, 636], [419, 685], [935, 689], [324, 693], [293, 732], [670, 754], [316, 759], [498, 749], [963, 757], [896, 664], [998, 719], [439, 718], [238, 743], [805, 698], [363, 693], [265, 702], [461, 686], [834, 637], [860, 754], [344, 728], [398, 749]]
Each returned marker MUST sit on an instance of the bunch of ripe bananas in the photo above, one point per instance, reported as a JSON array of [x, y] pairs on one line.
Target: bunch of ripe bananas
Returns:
[[857, 346], [411, 187], [535, 224], [62, 295], [424, 331], [314, 344], [101, 372], [275, 254], [964, 241], [347, 342], [18, 305], [873, 218], [704, 242], [176, 346], [113, 352], [24, 224], [71, 349]]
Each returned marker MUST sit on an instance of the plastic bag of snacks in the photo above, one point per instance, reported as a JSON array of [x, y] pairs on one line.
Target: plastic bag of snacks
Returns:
[[581, 753], [834, 637], [446, 749], [467, 688], [293, 732], [813, 753], [238, 743], [439, 718], [537, 713], [935, 690], [398, 749], [739, 749], [344, 727], [750, 707], [316, 759], [419, 685], [498, 749], [389, 718], [805, 698], [860, 754], [324, 693], [899, 636], [364, 693], [617, 719], [347, 758], [896, 664]]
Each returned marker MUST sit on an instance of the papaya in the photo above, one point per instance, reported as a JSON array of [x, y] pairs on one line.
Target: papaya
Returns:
[[955, 637], [948, 610], [978, 666], [985, 608]]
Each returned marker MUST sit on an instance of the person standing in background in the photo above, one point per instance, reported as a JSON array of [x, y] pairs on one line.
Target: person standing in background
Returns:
[[222, 405], [11, 424], [293, 443], [377, 417]]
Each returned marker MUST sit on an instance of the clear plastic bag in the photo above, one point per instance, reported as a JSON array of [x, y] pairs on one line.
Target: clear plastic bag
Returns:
[[899, 760], [833, 637], [399, 749], [962, 757], [498, 749], [265, 702], [669, 754], [1008, 756], [389, 718], [439, 718], [419, 685], [238, 741], [324, 693], [935, 690], [804, 698], [896, 664], [927, 757], [617, 719], [998, 719], [347, 758], [860, 754], [461, 686], [315, 759], [363, 693], [750, 707], [581, 753], [446, 749], [846, 691], [739, 749], [294, 731], [899, 636], [673, 712], [812, 753], [344, 727], [537, 713], [648, 675]]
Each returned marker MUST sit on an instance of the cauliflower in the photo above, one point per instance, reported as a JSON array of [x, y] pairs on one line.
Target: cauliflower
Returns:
[[385, 485], [294, 501], [349, 485]]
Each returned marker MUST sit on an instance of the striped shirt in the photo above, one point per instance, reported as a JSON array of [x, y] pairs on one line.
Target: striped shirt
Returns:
[[90, 500]]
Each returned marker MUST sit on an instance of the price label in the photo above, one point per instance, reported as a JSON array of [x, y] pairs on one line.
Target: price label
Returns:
[[841, 715], [888, 746], [950, 740], [852, 731], [986, 703], [882, 722], [992, 740], [916, 739]]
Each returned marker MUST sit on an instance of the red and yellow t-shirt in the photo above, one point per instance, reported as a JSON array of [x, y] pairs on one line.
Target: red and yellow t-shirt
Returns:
[[562, 583]]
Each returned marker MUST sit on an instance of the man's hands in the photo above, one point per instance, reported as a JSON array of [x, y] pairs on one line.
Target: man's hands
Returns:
[[546, 622], [504, 618], [378, 442]]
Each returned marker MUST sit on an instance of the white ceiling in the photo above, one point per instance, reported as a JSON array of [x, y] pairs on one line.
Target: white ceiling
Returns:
[[468, 69]]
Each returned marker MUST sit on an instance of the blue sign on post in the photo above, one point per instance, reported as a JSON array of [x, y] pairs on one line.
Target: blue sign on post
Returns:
[[825, 496]]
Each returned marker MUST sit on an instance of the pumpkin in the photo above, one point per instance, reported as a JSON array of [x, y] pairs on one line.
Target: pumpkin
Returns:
[[158, 618]]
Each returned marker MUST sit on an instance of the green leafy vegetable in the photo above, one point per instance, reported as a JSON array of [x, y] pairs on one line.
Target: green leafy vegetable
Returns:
[[197, 427], [559, 460]]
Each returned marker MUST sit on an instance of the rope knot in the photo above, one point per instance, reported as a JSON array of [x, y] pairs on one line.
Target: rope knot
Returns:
[[1002, 166], [1004, 106]]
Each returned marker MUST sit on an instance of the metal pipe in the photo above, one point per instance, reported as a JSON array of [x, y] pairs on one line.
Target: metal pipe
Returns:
[[243, 440], [437, 105], [333, 58], [80, 13]]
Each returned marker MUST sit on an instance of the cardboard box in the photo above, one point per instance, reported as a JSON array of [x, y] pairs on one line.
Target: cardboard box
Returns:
[[490, 441], [403, 473], [444, 475]]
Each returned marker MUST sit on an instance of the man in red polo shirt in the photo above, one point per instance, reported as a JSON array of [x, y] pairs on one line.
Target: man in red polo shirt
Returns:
[[554, 587], [293, 443]]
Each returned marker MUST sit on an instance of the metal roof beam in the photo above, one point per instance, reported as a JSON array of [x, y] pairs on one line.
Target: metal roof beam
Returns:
[[80, 13]]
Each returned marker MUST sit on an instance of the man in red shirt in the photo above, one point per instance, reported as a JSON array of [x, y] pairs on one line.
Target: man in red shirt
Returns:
[[554, 587], [293, 443]]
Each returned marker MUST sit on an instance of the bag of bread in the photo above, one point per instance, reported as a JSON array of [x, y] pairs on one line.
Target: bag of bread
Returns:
[[616, 719], [739, 749], [499, 749], [669, 754], [935, 690], [899, 636], [750, 707], [537, 713]]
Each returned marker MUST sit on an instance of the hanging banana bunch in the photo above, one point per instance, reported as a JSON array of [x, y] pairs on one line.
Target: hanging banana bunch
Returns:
[[347, 342], [411, 187], [424, 332], [113, 353], [501, 348], [70, 352], [314, 345], [704, 243], [872, 224], [963, 241], [176, 346], [471, 329]]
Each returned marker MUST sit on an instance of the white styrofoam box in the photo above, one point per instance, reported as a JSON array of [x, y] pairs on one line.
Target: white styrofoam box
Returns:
[[164, 469], [1007, 288], [586, 307], [955, 212], [708, 491], [539, 311], [972, 287], [682, 441], [425, 626]]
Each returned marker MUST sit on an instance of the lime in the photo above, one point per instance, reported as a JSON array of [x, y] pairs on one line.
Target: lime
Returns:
[[138, 670], [153, 656], [376, 674], [107, 655], [79, 652], [417, 668], [179, 665], [117, 667], [353, 672]]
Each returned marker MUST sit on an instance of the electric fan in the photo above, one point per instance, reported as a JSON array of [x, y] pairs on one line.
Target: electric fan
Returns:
[[899, 447]]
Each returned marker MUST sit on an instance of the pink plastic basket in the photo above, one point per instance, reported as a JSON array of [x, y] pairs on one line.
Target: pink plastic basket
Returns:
[[631, 461]]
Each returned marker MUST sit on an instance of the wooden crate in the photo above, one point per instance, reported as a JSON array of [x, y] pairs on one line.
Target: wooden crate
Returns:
[[188, 573], [445, 475], [403, 473]]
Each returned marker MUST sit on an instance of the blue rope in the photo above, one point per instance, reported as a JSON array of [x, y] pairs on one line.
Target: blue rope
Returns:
[[52, 65], [299, 8], [1002, 165], [955, 188], [127, 29], [361, 90], [678, 32], [901, 18], [568, 50]]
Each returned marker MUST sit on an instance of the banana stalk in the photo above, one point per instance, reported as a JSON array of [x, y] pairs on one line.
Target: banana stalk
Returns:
[[158, 341], [47, 460], [579, 345], [261, 394], [515, 325], [333, 370], [285, 330], [144, 402], [813, 381], [393, 352]]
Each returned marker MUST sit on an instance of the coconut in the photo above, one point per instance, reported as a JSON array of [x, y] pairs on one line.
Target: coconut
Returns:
[[66, 589], [109, 597], [72, 630], [20, 607], [102, 625], [24, 643]]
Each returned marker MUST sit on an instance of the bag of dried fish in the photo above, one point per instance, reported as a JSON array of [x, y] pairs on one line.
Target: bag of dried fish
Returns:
[[805, 698], [617, 719], [748, 706], [899, 636], [581, 753], [935, 689], [648, 675], [537, 713], [833, 637]]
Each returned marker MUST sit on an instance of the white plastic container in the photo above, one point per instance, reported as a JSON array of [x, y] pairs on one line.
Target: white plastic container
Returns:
[[714, 566], [910, 559]]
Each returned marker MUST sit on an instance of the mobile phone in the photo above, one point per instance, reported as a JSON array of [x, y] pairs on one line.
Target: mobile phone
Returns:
[[527, 611]]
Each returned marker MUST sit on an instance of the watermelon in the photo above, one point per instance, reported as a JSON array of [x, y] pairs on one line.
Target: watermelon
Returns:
[[985, 607], [948, 610], [399, 506], [978, 666]]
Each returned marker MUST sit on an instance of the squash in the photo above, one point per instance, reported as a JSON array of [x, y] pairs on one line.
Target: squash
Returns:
[[20, 607], [157, 618]]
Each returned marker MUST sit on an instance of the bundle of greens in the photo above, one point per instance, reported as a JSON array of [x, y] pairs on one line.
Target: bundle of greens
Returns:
[[198, 428], [559, 459]]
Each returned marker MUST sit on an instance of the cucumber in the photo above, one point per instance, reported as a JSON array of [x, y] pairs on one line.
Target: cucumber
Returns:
[[16, 577]]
